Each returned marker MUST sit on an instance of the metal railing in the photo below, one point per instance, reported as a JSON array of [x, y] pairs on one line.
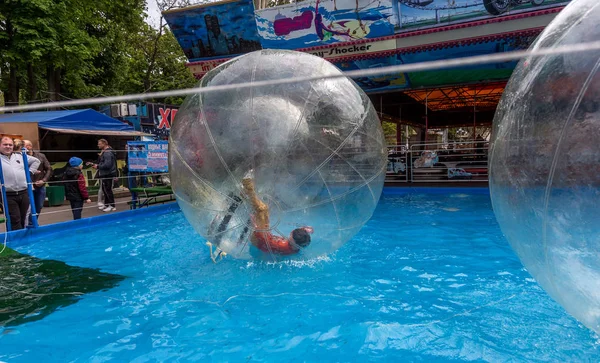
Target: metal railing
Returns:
[[438, 162]]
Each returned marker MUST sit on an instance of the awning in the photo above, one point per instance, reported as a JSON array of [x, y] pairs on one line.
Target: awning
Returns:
[[86, 121], [479, 96], [91, 132]]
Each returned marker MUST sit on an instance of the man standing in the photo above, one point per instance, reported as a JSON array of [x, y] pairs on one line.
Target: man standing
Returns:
[[15, 182], [107, 170], [40, 179]]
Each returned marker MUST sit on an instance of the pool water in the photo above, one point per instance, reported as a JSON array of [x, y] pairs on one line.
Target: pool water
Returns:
[[429, 278]]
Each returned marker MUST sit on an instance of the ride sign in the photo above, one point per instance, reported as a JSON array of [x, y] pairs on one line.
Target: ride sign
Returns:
[[148, 156]]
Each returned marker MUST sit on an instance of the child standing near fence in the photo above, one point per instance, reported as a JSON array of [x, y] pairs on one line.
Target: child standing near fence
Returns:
[[75, 190]]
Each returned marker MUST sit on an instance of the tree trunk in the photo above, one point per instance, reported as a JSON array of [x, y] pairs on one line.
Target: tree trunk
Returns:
[[54, 79], [13, 87], [52, 96], [57, 81], [31, 83], [12, 96], [50, 79]]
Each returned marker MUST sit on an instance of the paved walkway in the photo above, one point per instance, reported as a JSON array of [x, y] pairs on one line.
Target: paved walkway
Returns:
[[63, 212]]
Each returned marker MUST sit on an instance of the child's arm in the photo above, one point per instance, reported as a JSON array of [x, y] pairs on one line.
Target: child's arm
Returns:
[[82, 188]]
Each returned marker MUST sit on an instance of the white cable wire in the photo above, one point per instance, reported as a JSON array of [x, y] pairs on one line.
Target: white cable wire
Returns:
[[82, 151], [107, 178], [404, 68]]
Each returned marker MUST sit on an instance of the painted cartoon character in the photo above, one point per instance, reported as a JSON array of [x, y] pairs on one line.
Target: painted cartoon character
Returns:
[[284, 26], [354, 29]]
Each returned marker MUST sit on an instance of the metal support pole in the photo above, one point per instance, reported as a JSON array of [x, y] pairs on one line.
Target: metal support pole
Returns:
[[399, 128], [4, 200], [34, 218], [134, 195], [475, 115], [476, 152], [426, 118], [399, 8]]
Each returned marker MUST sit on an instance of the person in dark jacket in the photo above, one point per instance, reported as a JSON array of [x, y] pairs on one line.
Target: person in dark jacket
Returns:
[[75, 190], [40, 179], [107, 170]]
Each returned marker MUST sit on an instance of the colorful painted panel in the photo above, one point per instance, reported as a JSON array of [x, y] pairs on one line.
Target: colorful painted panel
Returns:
[[471, 74], [379, 83], [320, 22], [462, 75], [414, 14], [215, 31]]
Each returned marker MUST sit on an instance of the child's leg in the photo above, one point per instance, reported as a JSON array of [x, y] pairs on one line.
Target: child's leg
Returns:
[[76, 207], [73, 205], [259, 208], [232, 207]]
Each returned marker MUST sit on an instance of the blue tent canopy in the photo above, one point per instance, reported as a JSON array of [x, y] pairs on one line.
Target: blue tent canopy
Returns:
[[85, 121]]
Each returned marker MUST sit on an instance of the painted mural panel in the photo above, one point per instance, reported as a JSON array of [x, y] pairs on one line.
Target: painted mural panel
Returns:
[[430, 13], [470, 74], [320, 22], [215, 31], [460, 75]]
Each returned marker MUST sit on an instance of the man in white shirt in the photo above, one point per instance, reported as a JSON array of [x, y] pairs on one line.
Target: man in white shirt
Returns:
[[15, 182]]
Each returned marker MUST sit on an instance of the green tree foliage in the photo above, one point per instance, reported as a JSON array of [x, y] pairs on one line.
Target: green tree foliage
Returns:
[[169, 70], [59, 49], [156, 61], [389, 131]]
